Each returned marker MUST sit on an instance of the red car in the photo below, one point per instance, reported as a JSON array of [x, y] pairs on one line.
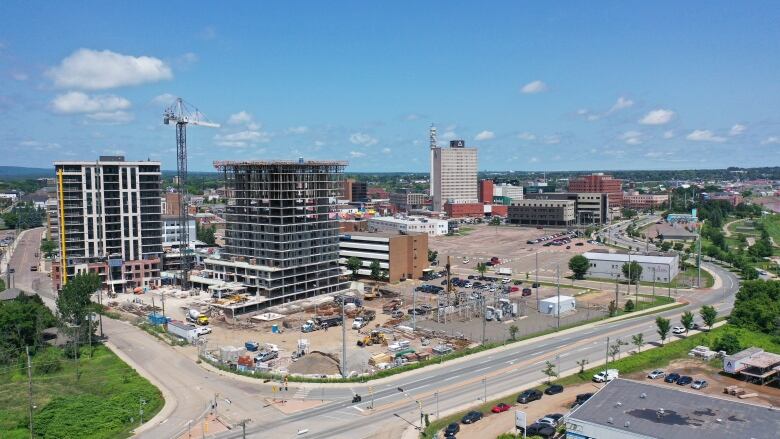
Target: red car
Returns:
[[514, 289], [500, 407]]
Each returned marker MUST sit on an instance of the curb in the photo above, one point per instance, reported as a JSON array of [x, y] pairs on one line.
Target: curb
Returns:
[[170, 401]]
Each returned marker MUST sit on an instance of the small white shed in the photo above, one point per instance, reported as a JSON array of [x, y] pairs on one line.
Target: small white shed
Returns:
[[551, 305]]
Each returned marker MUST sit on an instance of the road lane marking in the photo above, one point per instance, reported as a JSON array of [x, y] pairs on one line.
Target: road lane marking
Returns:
[[358, 408]]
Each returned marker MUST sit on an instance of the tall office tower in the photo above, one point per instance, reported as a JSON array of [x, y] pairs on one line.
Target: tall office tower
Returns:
[[109, 222], [453, 174], [600, 183], [282, 229], [433, 142]]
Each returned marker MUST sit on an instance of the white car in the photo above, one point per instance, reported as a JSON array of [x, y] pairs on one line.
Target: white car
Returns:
[[678, 330], [202, 330], [658, 373]]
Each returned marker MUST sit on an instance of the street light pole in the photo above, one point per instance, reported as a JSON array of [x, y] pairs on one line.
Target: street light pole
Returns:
[[536, 274]]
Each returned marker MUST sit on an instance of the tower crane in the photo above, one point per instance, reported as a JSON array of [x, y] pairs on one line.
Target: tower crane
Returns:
[[182, 114]]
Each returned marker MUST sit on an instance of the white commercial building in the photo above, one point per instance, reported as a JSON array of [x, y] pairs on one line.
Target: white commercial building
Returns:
[[609, 265], [508, 190], [409, 224], [171, 233], [453, 174]]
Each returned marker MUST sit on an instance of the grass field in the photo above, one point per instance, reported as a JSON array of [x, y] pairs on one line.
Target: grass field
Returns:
[[2, 285], [772, 226], [649, 359], [103, 403]]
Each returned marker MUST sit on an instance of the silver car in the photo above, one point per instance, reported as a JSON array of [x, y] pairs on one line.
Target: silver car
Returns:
[[699, 384], [658, 373]]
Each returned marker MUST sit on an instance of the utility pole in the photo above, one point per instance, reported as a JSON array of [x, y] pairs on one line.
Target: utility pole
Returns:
[[437, 405], [77, 353], [558, 306], [141, 404], [29, 389], [536, 275], [669, 276], [653, 284], [484, 321], [606, 360], [100, 316], [414, 309], [484, 385], [343, 343]]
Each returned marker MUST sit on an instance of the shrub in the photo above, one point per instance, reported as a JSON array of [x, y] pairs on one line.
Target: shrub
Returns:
[[48, 361]]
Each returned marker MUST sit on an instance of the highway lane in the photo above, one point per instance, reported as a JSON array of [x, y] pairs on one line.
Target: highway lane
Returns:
[[189, 387]]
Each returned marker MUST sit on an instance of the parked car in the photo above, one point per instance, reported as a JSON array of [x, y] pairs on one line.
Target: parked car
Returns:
[[514, 289], [684, 380], [553, 389], [658, 373], [526, 291], [529, 396], [537, 429], [606, 375], [678, 330], [699, 384], [551, 419], [672, 377], [582, 397], [451, 429], [500, 407], [535, 285], [579, 244], [397, 314], [34, 268], [471, 417]]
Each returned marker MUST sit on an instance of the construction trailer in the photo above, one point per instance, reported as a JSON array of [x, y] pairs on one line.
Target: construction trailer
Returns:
[[281, 230]]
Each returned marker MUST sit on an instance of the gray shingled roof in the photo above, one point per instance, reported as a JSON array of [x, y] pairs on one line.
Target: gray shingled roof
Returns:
[[687, 414]]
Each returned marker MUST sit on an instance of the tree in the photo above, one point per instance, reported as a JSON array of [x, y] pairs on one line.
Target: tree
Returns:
[[728, 342], [687, 321], [665, 246], [206, 234], [21, 322], [582, 363], [663, 327], [614, 348], [632, 272], [432, 255], [579, 266], [678, 246], [513, 329], [354, 264], [549, 370], [481, 269], [48, 247], [73, 302], [757, 306], [376, 270], [629, 306], [612, 308], [495, 221], [708, 314], [638, 340]]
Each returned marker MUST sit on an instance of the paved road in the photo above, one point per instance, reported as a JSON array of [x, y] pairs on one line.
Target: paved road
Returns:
[[189, 388]]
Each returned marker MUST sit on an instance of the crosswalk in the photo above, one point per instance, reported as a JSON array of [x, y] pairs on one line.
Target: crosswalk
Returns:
[[301, 393]]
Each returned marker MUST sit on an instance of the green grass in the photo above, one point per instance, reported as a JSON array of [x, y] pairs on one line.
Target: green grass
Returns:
[[2, 285], [672, 350], [772, 226], [463, 231], [649, 359], [100, 404]]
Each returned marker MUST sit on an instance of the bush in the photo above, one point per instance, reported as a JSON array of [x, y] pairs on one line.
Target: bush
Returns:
[[629, 306], [48, 361], [728, 342]]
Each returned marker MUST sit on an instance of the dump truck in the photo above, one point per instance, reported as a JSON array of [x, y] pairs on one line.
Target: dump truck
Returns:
[[320, 323], [194, 316], [363, 319], [393, 305]]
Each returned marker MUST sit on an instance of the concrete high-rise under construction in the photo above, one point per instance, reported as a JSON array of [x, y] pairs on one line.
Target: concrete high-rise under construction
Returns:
[[282, 230]]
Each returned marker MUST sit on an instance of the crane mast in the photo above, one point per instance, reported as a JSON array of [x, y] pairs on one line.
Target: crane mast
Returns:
[[181, 116]]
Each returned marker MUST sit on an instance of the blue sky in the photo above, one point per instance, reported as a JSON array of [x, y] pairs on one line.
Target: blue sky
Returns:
[[535, 85]]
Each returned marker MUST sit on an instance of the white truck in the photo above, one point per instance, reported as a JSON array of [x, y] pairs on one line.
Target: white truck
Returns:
[[506, 271], [183, 330], [194, 316], [606, 376]]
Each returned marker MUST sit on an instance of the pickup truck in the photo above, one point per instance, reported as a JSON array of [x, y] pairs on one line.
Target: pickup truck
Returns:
[[606, 375]]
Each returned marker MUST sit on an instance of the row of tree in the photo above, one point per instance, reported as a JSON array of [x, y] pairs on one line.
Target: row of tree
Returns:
[[24, 216]]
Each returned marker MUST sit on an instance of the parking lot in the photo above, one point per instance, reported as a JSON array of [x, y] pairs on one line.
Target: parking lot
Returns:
[[509, 244]]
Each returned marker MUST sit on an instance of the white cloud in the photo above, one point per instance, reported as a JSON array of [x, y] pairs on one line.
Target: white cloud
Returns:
[[772, 140], [356, 154], [668, 134], [534, 87], [77, 102], [386, 150], [319, 143], [704, 136], [526, 136], [19, 76], [552, 139], [412, 116], [208, 33], [737, 129], [631, 137], [533, 160], [240, 118], [657, 117], [362, 139], [620, 104], [485, 135], [40, 146], [95, 70], [242, 139], [112, 117], [297, 130], [164, 99], [448, 135]]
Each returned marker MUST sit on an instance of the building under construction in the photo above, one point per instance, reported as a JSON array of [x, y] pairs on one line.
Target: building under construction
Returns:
[[281, 234]]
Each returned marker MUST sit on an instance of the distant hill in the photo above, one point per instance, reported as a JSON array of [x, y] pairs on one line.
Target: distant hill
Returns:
[[19, 172]]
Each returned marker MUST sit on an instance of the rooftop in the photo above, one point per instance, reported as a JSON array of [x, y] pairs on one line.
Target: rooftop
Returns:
[[623, 257], [663, 412]]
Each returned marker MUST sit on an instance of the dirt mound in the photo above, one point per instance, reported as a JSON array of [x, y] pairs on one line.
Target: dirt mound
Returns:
[[317, 363]]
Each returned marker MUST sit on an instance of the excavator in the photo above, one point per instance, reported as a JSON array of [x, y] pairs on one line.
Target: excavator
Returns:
[[371, 295], [374, 337]]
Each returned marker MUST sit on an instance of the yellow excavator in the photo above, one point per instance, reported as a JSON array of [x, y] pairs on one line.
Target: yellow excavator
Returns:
[[371, 295], [374, 337]]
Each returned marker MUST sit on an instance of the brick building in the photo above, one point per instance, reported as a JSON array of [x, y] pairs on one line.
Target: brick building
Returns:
[[599, 182]]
